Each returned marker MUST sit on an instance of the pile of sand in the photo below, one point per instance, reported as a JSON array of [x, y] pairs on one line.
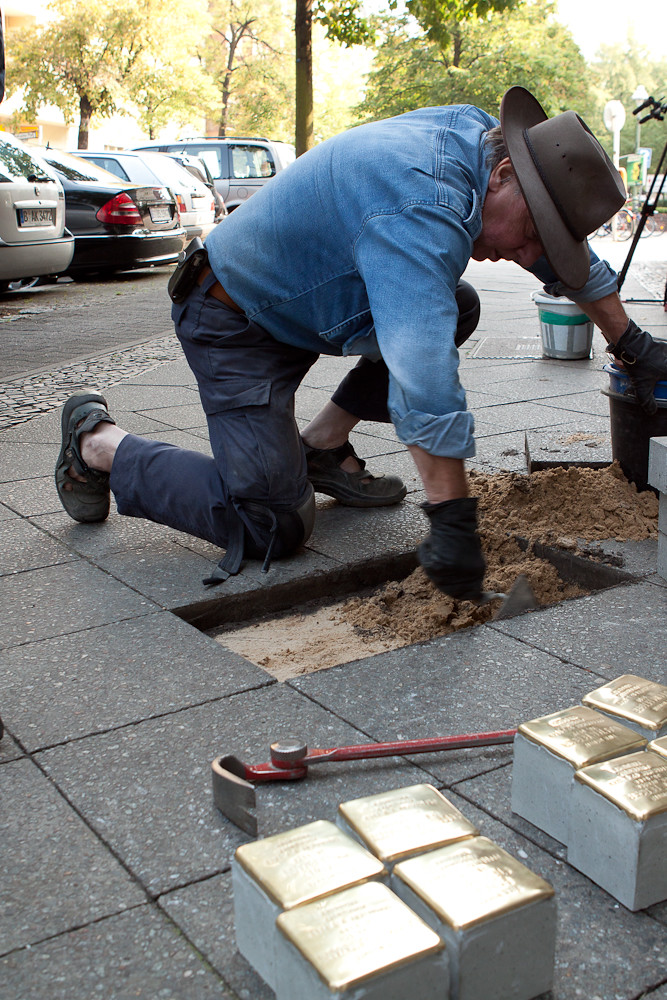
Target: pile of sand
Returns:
[[557, 507]]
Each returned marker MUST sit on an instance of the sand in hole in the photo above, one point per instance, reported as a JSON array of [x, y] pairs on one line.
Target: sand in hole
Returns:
[[557, 507]]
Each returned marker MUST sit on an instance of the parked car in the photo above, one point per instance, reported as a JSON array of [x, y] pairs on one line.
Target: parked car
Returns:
[[239, 165], [198, 169], [195, 202], [117, 226], [33, 237]]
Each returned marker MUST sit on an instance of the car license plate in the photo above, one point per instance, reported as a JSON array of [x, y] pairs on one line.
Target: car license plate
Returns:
[[37, 216], [160, 213]]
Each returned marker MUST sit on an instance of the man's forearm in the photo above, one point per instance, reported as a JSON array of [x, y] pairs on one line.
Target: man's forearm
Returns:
[[608, 315], [443, 478]]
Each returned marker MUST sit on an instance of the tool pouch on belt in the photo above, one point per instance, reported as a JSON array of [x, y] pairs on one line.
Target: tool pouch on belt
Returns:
[[190, 263]]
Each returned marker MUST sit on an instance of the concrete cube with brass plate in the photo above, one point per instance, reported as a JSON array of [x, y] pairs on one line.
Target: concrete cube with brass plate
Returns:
[[547, 753], [497, 918], [635, 702], [618, 827], [285, 871], [397, 824], [359, 944]]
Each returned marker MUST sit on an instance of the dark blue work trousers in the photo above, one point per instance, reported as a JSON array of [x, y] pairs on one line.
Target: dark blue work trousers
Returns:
[[247, 381]]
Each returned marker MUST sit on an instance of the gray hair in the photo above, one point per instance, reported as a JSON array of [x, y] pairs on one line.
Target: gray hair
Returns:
[[494, 144]]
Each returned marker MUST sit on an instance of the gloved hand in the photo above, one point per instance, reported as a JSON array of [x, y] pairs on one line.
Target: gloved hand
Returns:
[[452, 554], [645, 361]]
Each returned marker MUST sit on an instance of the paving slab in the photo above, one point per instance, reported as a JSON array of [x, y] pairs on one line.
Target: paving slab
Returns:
[[592, 402], [57, 874], [169, 373], [526, 389], [24, 546], [116, 534], [9, 748], [516, 417], [583, 440], [146, 789], [134, 954], [63, 599], [186, 416], [17, 458], [30, 497], [637, 557], [349, 535], [617, 631], [471, 681], [205, 913], [72, 686], [7, 514], [172, 575], [140, 398]]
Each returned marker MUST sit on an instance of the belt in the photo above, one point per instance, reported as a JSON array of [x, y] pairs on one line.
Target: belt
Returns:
[[217, 291]]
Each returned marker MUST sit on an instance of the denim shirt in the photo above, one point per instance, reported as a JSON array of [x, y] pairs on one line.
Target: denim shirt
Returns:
[[357, 249]]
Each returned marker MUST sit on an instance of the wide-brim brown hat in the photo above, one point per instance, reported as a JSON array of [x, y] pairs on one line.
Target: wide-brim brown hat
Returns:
[[569, 183]]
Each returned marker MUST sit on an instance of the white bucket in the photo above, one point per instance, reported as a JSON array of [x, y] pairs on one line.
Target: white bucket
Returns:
[[567, 333]]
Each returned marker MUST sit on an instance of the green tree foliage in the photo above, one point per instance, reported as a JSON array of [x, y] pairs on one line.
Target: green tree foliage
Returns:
[[478, 63], [245, 55], [441, 19], [617, 72], [91, 54]]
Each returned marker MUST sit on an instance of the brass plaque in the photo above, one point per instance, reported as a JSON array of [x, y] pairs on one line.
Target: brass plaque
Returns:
[[471, 882], [581, 736], [307, 862], [633, 698], [357, 934], [637, 784], [404, 821], [659, 746]]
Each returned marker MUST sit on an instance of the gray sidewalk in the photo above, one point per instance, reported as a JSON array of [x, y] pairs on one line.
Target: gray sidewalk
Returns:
[[115, 865]]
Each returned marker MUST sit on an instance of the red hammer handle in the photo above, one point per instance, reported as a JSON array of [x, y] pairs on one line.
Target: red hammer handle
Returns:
[[401, 747]]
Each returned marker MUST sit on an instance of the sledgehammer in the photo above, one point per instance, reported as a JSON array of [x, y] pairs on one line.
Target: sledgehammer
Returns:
[[235, 797]]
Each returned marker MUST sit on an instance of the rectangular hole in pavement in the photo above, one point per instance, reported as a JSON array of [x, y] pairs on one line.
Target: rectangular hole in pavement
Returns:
[[310, 625]]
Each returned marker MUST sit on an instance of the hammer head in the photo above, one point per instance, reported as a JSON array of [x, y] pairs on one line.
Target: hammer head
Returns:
[[233, 795]]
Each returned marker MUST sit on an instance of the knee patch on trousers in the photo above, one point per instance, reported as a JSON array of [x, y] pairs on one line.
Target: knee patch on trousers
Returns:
[[294, 527]]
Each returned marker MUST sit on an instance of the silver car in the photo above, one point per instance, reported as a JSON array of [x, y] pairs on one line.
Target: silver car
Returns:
[[194, 200], [33, 238]]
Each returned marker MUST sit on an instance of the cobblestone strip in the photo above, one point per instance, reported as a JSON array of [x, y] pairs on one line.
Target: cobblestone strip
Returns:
[[23, 399]]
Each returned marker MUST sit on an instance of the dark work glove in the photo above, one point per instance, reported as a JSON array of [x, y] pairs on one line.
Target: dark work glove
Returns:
[[645, 361], [452, 554]]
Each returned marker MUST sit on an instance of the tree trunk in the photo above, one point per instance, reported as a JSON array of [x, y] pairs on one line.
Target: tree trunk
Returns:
[[85, 113], [303, 31], [457, 44]]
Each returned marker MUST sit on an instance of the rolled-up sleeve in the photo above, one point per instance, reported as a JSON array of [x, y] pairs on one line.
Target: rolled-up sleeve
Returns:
[[602, 280], [411, 262]]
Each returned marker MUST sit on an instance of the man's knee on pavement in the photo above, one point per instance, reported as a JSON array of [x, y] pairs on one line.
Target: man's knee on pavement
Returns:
[[292, 528]]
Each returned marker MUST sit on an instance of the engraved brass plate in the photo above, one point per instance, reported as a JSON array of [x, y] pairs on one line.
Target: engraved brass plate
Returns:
[[404, 821], [581, 736], [357, 934], [637, 784], [471, 882], [633, 698], [307, 862], [659, 746]]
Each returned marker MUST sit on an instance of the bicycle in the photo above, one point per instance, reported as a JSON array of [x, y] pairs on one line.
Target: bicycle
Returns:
[[621, 226]]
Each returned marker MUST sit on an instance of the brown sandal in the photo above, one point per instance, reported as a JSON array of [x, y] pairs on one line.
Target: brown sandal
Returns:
[[355, 489]]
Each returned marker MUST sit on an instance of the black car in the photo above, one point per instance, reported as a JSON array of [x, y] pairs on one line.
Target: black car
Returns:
[[117, 227]]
